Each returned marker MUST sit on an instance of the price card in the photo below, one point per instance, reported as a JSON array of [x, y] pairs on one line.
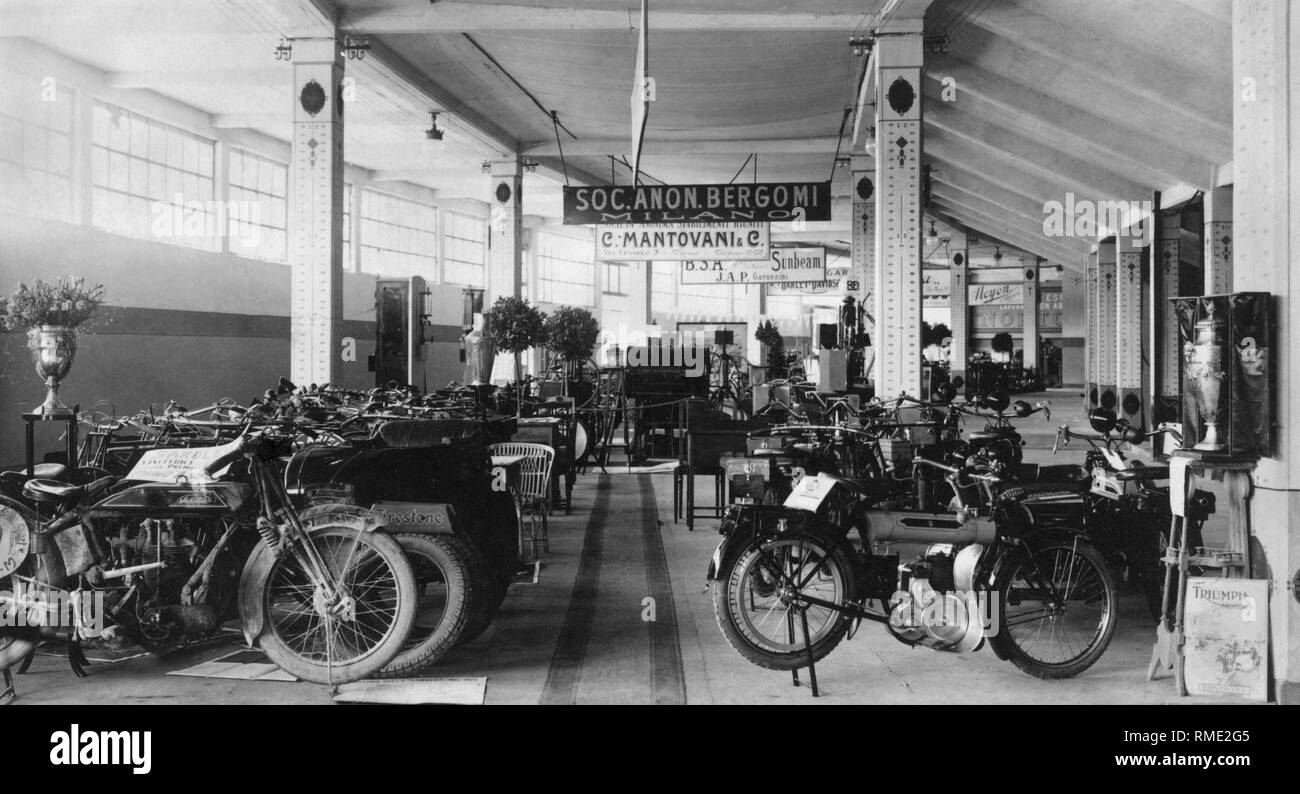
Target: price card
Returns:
[[809, 493]]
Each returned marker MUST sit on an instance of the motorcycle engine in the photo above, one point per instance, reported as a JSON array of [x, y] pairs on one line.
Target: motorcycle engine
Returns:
[[165, 606], [935, 605]]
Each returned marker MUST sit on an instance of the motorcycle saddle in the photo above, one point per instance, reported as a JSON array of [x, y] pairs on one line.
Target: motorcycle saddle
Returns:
[[55, 492], [48, 471]]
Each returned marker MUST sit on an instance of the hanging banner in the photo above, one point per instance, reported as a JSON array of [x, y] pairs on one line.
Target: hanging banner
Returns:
[[996, 294], [785, 264], [836, 276], [683, 241], [771, 201], [936, 283]]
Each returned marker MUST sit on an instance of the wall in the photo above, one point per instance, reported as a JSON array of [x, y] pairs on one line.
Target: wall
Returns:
[[182, 324]]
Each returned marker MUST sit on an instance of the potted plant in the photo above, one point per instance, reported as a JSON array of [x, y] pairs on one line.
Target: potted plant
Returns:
[[51, 313], [1003, 343], [515, 325], [571, 333], [770, 338]]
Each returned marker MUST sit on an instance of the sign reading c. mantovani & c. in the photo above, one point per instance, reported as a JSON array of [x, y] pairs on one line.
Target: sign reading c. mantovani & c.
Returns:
[[767, 201], [682, 241]]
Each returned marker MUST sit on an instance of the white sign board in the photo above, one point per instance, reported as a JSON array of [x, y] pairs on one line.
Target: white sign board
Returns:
[[1225, 648], [644, 242], [996, 294], [785, 264], [172, 465], [836, 276], [936, 283]]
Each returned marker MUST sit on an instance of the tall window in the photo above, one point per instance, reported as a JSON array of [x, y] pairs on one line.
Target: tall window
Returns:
[[256, 210], [464, 242], [398, 236], [616, 274], [348, 264], [152, 179], [566, 270], [663, 277], [36, 148]]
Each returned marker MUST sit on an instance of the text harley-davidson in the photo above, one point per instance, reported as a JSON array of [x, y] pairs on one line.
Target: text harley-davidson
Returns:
[[789, 582]]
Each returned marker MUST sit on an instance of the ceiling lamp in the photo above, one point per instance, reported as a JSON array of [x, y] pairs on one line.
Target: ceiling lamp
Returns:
[[433, 145], [997, 253], [933, 231]]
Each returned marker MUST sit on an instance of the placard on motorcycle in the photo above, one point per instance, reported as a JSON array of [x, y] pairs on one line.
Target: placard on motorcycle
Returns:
[[179, 465], [785, 264], [683, 241]]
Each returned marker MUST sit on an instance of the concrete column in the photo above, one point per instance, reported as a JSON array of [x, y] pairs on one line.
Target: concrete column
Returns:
[[863, 238], [1107, 358], [1266, 224], [899, 57], [506, 258], [1029, 326], [1092, 394], [316, 210], [1128, 325], [959, 306], [1218, 241], [1168, 285], [1074, 326]]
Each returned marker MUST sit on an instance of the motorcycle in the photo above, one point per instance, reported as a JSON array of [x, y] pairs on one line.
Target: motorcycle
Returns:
[[175, 549], [1125, 504], [789, 582]]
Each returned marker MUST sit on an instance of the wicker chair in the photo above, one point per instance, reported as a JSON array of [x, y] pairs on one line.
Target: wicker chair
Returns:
[[534, 487]]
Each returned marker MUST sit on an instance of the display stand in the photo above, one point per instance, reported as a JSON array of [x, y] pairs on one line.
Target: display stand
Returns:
[[1232, 561], [69, 418]]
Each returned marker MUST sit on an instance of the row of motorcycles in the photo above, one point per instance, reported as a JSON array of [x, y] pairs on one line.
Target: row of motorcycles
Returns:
[[887, 512], [352, 534]]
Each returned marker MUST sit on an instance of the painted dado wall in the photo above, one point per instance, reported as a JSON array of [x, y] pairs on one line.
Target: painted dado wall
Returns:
[[182, 324]]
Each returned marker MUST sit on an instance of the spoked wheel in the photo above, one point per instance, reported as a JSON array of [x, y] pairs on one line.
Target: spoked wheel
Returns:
[[1057, 609], [18, 639], [353, 635], [761, 602], [444, 583]]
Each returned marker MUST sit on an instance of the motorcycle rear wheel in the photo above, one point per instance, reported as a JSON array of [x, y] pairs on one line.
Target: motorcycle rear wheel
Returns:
[[767, 629], [332, 650], [1062, 630]]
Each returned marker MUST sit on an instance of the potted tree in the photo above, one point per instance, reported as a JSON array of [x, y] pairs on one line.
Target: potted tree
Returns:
[[515, 325], [571, 333], [51, 313]]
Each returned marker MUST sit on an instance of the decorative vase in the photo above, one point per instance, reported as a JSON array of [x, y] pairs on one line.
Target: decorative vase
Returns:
[[1205, 368], [53, 348]]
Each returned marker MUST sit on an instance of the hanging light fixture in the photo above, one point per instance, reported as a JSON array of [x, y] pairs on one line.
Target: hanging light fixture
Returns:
[[933, 231], [997, 253], [433, 145]]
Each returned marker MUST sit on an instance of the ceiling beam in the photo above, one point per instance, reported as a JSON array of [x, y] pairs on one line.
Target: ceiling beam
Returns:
[[467, 17], [1030, 226], [986, 227], [666, 146], [1072, 129], [1079, 58], [1028, 154]]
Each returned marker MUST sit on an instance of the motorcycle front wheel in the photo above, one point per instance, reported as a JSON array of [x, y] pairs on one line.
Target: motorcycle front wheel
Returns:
[[760, 604], [324, 643], [1056, 608]]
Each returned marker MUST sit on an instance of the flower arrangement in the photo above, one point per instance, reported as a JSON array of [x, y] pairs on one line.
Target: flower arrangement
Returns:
[[67, 303]]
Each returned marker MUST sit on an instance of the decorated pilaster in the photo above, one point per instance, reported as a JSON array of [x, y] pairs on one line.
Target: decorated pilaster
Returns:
[[506, 257], [959, 306], [316, 211], [863, 238], [1128, 326], [1107, 357], [1168, 284], [899, 57], [1218, 241], [1092, 336], [1029, 330]]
